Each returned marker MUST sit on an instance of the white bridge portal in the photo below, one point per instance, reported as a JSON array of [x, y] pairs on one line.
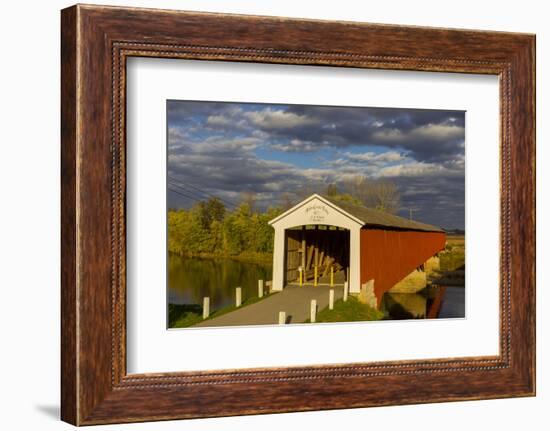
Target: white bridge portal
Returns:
[[316, 211]]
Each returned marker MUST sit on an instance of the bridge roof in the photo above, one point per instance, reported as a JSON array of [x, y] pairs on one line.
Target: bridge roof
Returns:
[[372, 217], [365, 216]]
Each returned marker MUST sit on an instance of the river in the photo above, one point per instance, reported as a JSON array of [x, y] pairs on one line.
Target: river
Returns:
[[191, 279], [444, 302]]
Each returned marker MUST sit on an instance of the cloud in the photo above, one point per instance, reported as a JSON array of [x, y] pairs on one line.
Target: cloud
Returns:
[[269, 119], [388, 156], [436, 200], [226, 166], [411, 170], [218, 121], [227, 148], [428, 135], [296, 146], [218, 145], [426, 142]]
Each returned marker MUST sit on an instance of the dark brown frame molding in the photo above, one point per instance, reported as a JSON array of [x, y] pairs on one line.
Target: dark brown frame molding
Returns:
[[95, 43]]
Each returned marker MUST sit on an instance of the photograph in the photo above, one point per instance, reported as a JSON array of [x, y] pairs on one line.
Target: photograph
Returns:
[[288, 214]]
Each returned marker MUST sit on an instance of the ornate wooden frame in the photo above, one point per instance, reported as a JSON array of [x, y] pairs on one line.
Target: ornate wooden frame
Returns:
[[95, 42]]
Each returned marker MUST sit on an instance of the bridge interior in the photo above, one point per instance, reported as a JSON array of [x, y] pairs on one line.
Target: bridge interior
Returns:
[[322, 252]]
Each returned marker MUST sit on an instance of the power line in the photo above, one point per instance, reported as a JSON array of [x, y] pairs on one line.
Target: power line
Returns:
[[198, 197], [195, 195], [188, 194], [201, 191], [178, 183], [182, 194]]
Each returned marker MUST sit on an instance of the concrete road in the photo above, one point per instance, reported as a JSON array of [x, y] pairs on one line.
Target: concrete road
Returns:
[[293, 300]]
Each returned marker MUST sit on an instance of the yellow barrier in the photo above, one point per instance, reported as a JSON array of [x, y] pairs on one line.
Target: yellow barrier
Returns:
[[315, 277]]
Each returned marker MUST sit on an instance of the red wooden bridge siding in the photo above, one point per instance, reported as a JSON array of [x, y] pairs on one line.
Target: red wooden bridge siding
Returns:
[[387, 256]]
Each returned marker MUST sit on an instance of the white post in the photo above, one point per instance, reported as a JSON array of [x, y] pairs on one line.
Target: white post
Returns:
[[331, 299], [238, 297], [205, 307], [278, 259], [282, 317], [313, 311], [260, 288], [345, 291], [354, 281]]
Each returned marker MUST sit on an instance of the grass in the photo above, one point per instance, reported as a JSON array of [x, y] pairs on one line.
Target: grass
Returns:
[[452, 263], [456, 240], [186, 315], [350, 311], [453, 258]]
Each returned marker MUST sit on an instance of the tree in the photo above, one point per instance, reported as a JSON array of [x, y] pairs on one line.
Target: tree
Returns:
[[346, 197], [381, 194], [249, 198], [186, 234], [332, 190], [209, 211], [215, 209], [202, 214], [237, 232], [384, 196], [360, 187], [334, 193], [286, 201]]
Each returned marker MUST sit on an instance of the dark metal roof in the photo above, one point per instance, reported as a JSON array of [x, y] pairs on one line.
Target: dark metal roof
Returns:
[[372, 217]]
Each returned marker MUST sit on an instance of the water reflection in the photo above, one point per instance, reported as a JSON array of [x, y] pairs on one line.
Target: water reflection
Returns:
[[431, 303], [191, 279]]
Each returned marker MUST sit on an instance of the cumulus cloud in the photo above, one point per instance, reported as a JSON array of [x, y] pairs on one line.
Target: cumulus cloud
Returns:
[[227, 148], [269, 119], [430, 132], [411, 170], [388, 156], [296, 146], [218, 121]]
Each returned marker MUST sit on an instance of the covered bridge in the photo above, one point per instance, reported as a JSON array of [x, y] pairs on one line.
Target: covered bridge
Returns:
[[370, 249]]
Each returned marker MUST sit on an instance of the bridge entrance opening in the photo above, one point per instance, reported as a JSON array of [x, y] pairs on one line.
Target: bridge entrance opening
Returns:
[[317, 255]]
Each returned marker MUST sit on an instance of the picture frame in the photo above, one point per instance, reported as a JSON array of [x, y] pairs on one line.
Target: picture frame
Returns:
[[96, 41]]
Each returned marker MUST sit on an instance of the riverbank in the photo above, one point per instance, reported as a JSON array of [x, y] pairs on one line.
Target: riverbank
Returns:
[[186, 315], [453, 258], [452, 264], [247, 257]]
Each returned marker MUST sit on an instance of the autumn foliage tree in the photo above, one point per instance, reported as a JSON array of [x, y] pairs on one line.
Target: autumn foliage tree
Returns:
[[209, 229]]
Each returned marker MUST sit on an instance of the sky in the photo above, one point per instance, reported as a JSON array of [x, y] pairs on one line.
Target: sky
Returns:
[[278, 151]]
